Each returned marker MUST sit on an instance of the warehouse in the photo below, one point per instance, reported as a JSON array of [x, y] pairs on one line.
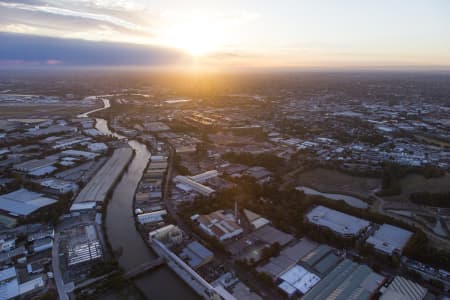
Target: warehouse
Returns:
[[202, 177], [288, 257], [58, 186], [98, 187], [222, 226], [256, 220], [390, 239], [152, 217], [84, 252], [193, 185], [338, 222], [23, 202], [196, 255], [78, 153], [34, 165], [298, 279], [11, 288], [321, 260], [347, 279], [42, 245], [403, 289], [51, 130]]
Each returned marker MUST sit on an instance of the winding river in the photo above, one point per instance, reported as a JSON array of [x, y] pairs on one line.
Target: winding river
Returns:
[[125, 240]]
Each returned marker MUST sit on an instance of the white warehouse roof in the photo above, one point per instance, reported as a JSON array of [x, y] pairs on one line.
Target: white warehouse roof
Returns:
[[338, 222], [299, 278], [390, 239]]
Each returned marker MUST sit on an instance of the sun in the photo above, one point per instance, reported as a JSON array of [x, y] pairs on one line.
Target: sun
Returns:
[[196, 37]]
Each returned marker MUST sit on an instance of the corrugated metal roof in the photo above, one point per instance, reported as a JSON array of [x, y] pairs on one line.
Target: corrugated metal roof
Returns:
[[7, 274], [317, 254], [23, 202], [408, 288], [343, 283]]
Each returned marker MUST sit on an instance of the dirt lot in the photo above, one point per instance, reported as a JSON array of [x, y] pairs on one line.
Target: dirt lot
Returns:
[[331, 181]]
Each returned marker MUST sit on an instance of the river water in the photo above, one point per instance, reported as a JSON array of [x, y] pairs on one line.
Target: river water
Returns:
[[125, 240]]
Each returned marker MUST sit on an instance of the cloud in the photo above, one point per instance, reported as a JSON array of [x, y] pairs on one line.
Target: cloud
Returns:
[[20, 49], [52, 10]]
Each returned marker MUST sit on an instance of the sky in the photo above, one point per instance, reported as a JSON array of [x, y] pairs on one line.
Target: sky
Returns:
[[226, 34]]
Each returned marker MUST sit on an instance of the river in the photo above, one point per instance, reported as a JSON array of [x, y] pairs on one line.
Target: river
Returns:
[[125, 240]]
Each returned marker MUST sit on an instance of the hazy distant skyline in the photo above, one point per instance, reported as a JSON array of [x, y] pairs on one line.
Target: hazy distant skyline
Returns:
[[221, 34]]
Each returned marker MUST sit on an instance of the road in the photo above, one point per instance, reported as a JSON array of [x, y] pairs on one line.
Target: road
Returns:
[[62, 295]]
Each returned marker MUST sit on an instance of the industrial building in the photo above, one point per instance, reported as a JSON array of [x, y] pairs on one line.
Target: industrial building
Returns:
[[196, 255], [261, 174], [348, 280], [97, 147], [288, 257], [271, 235], [187, 184], [256, 220], [7, 244], [297, 279], [202, 177], [51, 130], [42, 245], [321, 260], [41, 234], [338, 222], [37, 167], [169, 235], [98, 187], [158, 241], [84, 252], [23, 202], [251, 246], [389, 239], [11, 288], [218, 224], [12, 254], [58, 186], [403, 289], [156, 126], [78, 153], [152, 217]]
